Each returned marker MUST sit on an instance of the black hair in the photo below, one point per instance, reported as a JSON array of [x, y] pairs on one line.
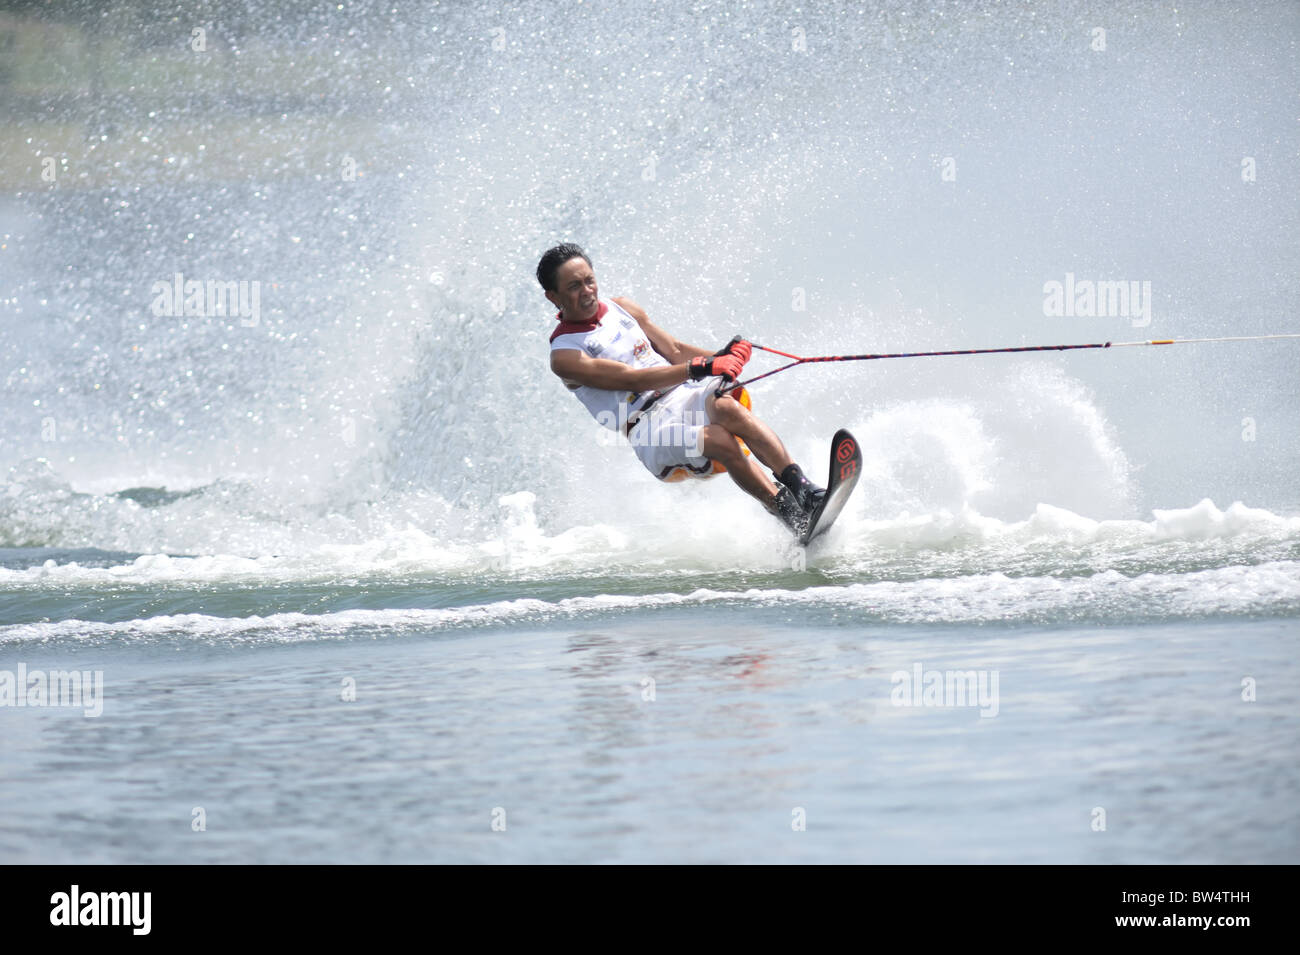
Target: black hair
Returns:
[[553, 259]]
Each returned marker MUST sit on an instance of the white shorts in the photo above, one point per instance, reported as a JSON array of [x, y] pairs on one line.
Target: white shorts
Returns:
[[667, 436]]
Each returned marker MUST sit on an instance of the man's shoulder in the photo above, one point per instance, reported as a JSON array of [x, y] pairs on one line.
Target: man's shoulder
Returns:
[[571, 341], [631, 307]]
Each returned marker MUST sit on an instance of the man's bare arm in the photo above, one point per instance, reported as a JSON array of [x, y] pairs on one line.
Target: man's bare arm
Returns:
[[575, 365], [675, 351]]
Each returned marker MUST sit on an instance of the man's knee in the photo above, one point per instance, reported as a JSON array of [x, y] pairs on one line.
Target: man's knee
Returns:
[[728, 410]]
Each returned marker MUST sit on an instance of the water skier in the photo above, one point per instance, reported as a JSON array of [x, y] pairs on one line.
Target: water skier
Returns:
[[638, 380]]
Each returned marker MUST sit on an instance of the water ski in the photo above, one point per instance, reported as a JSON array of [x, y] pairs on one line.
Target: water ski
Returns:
[[845, 469]]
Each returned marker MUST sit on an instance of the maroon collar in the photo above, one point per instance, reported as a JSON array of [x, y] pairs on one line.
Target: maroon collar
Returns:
[[567, 328]]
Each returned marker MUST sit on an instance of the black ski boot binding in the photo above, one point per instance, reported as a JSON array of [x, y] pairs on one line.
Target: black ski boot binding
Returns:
[[806, 493], [786, 506]]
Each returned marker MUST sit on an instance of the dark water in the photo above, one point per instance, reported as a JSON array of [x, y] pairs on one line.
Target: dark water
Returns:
[[749, 725]]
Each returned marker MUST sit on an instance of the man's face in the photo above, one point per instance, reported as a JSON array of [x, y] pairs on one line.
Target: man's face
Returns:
[[575, 295]]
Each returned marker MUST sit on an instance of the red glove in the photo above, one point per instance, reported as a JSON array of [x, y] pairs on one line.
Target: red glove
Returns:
[[728, 366], [737, 348]]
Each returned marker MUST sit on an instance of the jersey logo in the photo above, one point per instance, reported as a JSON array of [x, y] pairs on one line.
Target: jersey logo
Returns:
[[625, 322], [641, 348], [594, 348]]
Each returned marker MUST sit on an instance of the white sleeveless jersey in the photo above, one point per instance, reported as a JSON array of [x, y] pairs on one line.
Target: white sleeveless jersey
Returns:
[[618, 337]]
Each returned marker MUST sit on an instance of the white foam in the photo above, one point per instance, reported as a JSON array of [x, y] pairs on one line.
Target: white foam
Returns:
[[1205, 521], [519, 548]]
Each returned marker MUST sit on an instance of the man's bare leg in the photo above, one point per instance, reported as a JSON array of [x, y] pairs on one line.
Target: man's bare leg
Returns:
[[744, 424], [719, 444], [767, 447]]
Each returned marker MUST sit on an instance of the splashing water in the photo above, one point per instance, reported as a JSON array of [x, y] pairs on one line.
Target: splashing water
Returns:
[[730, 171]]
